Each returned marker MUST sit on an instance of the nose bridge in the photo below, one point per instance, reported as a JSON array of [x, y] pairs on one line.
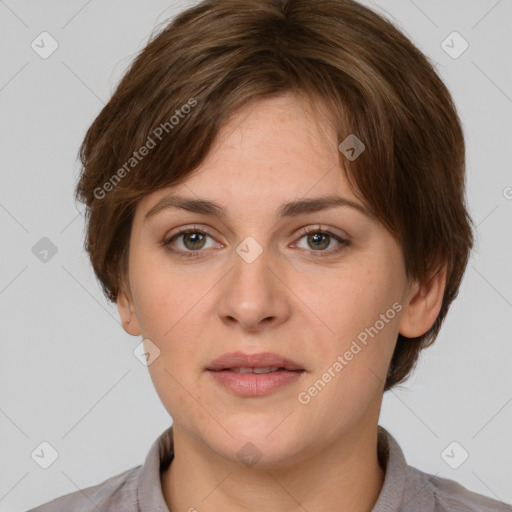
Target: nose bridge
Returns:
[[252, 294]]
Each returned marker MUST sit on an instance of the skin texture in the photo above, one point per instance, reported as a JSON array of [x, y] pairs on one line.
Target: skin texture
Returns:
[[295, 299]]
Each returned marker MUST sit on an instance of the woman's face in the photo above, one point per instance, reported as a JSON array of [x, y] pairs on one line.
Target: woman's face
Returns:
[[252, 280]]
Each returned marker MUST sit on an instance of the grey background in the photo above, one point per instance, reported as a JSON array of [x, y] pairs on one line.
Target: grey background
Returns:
[[68, 375]]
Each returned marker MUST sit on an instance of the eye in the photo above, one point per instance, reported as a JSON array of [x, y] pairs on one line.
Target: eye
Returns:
[[190, 241], [318, 240]]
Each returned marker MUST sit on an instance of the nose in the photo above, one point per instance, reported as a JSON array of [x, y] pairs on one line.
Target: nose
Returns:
[[254, 295]]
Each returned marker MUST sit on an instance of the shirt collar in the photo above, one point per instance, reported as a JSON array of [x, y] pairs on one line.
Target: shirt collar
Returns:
[[391, 498], [149, 486]]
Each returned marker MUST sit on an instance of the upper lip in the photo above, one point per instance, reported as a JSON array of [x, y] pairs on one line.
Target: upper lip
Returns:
[[261, 360]]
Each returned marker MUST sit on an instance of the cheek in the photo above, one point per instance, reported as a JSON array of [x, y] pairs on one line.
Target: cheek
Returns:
[[162, 295], [169, 306], [359, 310], [351, 365], [175, 395], [348, 301]]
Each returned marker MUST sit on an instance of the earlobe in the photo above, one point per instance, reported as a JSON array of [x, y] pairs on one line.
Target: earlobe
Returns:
[[423, 305], [127, 313]]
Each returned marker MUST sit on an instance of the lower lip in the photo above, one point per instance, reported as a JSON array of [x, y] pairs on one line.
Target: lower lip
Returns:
[[255, 384]]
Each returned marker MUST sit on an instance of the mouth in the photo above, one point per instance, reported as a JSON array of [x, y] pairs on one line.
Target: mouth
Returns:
[[258, 370], [254, 375], [264, 362]]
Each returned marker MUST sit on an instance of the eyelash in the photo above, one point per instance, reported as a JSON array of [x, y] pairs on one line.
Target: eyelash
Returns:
[[303, 232]]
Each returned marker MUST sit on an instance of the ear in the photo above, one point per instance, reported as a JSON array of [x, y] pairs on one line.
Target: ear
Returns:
[[127, 312], [423, 305]]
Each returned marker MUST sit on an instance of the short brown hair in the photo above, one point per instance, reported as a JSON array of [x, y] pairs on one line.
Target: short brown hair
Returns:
[[220, 55]]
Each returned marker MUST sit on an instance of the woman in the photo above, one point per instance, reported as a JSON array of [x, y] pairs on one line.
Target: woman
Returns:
[[275, 200]]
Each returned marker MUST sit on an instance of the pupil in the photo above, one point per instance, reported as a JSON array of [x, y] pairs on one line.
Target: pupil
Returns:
[[194, 240], [316, 237]]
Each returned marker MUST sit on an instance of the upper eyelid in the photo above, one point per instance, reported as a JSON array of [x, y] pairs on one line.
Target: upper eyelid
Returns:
[[306, 229], [190, 229], [320, 228]]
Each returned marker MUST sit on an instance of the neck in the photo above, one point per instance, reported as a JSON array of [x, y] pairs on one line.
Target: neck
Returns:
[[343, 476]]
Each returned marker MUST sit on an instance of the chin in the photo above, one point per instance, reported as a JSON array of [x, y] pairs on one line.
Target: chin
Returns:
[[261, 444]]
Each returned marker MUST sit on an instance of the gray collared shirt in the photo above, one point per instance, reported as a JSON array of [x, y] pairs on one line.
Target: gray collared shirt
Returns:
[[405, 489]]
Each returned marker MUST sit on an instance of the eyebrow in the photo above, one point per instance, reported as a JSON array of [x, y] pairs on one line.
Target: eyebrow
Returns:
[[291, 209]]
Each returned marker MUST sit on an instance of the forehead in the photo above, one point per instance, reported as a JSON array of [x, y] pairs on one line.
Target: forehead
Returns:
[[287, 127], [268, 152]]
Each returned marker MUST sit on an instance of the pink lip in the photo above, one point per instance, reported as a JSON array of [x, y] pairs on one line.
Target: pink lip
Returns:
[[262, 360], [252, 384]]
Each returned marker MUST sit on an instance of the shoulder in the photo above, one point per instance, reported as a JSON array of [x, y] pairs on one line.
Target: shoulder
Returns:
[[408, 489], [447, 495], [117, 491]]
